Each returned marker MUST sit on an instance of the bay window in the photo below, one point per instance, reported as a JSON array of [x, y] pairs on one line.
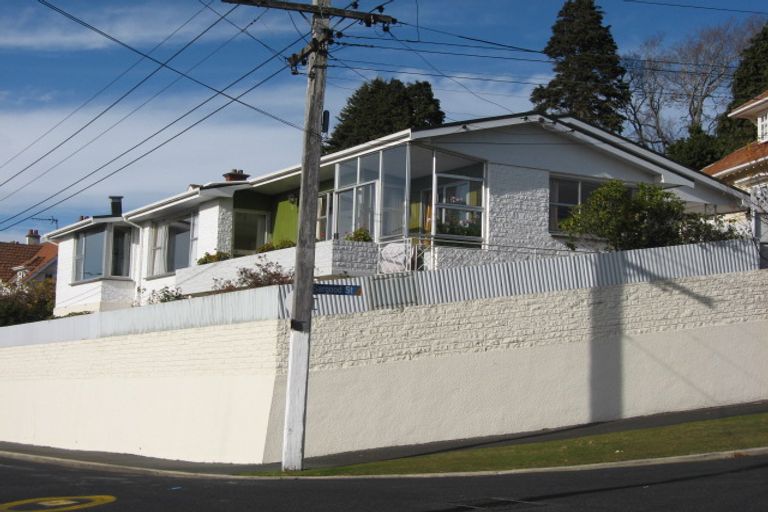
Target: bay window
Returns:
[[102, 252]]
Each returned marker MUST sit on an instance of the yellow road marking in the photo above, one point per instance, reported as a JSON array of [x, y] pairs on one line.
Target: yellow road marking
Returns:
[[57, 503]]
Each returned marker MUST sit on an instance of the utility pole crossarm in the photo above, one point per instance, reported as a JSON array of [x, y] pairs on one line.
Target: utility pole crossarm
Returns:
[[365, 17]]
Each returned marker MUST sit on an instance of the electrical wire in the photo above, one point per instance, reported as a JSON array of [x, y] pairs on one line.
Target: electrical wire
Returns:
[[689, 6], [131, 113], [473, 93], [102, 90], [125, 166], [118, 100]]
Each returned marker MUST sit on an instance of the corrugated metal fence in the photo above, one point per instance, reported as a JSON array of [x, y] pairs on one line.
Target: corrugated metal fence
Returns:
[[401, 290], [536, 276]]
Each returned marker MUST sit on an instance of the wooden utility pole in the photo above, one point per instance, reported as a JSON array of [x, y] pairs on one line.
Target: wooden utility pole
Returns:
[[316, 56]]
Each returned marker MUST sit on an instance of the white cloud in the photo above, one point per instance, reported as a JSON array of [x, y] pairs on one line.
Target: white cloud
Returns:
[[35, 28]]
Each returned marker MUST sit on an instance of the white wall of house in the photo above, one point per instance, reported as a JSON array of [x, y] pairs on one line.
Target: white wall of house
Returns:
[[396, 377], [98, 295]]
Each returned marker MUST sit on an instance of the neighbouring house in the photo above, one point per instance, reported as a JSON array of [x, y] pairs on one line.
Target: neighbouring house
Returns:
[[747, 167], [32, 261], [467, 193]]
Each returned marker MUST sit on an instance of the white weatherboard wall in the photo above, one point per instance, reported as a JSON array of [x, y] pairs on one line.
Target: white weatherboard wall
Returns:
[[400, 376]]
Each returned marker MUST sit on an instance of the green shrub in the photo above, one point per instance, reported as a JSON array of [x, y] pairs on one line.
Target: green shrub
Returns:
[[212, 258], [274, 246], [359, 235]]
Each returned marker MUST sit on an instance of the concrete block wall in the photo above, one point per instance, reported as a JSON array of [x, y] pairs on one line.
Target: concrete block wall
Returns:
[[355, 258]]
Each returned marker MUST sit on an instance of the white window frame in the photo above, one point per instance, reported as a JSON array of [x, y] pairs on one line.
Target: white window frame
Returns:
[[762, 127], [354, 188], [158, 245], [106, 256]]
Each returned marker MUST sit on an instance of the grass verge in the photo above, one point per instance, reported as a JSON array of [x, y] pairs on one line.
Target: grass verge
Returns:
[[738, 432]]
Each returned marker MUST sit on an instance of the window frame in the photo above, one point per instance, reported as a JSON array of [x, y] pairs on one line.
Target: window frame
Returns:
[[155, 248], [762, 127], [107, 258], [580, 196], [267, 223], [355, 188]]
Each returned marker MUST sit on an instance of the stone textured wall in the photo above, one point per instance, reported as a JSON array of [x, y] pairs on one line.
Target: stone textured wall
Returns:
[[573, 316], [354, 258]]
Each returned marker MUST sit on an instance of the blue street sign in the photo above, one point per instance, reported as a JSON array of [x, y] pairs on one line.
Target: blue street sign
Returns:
[[337, 289]]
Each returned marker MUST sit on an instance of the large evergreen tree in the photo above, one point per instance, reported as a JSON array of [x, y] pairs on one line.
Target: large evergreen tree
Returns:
[[750, 80], [380, 107], [588, 80]]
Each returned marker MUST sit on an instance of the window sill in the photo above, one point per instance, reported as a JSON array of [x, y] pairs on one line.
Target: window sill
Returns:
[[103, 278]]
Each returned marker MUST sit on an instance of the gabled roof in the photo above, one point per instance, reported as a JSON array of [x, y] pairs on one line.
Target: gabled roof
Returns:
[[41, 260], [752, 155], [14, 254]]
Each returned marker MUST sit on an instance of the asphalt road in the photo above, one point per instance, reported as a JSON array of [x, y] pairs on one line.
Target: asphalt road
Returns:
[[738, 484]]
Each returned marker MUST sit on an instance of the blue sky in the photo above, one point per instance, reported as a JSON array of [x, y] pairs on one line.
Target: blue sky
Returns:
[[51, 65]]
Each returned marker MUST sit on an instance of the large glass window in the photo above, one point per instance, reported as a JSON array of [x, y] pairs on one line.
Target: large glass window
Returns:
[[459, 203], [356, 198], [393, 175], [250, 231], [174, 244], [564, 195], [324, 213], [103, 252]]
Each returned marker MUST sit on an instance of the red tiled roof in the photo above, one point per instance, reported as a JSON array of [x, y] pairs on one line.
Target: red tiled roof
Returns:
[[13, 254], [34, 257], [47, 253], [752, 152]]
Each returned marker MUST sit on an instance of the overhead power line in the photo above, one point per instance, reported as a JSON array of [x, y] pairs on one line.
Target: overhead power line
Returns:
[[118, 100], [129, 114], [690, 6], [125, 166], [102, 90]]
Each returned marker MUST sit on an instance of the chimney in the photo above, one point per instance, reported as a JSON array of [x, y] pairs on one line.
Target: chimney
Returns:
[[236, 175], [116, 203], [33, 237]]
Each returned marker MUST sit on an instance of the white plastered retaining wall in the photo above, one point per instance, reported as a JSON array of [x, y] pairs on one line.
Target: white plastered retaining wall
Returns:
[[195, 394], [396, 377]]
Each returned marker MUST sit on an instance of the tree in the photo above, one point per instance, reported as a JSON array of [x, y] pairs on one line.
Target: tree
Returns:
[[646, 217], [381, 107], [696, 151], [27, 302], [678, 90], [750, 80], [588, 74]]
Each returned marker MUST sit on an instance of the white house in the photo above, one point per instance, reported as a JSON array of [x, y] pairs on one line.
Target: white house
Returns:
[[464, 193]]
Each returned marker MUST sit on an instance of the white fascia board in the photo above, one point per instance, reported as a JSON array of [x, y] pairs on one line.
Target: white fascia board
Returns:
[[471, 126], [750, 110], [189, 198], [80, 226], [676, 168]]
